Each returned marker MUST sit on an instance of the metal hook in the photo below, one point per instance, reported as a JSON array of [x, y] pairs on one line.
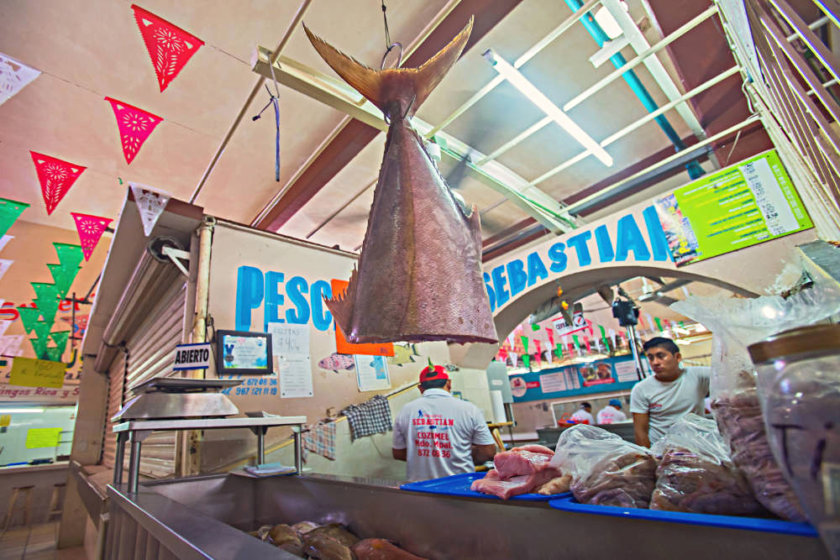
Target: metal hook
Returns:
[[388, 51]]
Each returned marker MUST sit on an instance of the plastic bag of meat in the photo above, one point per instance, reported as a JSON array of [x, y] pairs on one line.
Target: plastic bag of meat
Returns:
[[605, 469], [696, 474], [735, 324]]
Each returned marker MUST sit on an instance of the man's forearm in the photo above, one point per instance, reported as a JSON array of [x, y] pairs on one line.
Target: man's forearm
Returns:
[[483, 453]]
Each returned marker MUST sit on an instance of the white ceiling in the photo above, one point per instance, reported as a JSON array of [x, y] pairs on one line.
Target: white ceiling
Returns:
[[90, 49]]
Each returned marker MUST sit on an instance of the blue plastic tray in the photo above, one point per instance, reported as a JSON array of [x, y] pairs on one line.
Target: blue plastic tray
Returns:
[[459, 485], [568, 503]]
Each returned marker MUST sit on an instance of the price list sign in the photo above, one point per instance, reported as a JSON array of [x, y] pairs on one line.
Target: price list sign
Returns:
[[739, 206]]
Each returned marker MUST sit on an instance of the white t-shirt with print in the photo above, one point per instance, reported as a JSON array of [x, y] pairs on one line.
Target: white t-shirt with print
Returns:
[[668, 402], [438, 432], [610, 415], [582, 417]]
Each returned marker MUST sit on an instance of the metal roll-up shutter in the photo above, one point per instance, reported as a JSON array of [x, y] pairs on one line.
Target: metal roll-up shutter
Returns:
[[151, 347], [148, 352], [116, 377], [151, 353]]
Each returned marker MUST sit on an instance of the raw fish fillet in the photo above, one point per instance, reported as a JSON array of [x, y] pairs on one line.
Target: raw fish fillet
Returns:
[[519, 461], [419, 276], [506, 489], [381, 549]]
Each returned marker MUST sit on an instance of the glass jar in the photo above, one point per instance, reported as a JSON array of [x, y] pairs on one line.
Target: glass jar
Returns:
[[799, 387]]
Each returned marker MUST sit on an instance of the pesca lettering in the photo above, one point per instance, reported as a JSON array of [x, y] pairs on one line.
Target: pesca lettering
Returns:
[[271, 291]]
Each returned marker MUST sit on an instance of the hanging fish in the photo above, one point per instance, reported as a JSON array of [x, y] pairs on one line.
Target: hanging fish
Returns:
[[419, 275]]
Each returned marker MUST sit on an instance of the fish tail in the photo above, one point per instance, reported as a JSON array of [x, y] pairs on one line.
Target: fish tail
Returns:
[[341, 305], [382, 86]]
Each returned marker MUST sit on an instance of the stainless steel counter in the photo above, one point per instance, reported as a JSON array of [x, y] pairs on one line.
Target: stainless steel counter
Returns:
[[204, 517], [135, 431]]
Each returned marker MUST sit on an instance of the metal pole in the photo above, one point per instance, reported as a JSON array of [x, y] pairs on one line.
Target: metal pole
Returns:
[[298, 450], [134, 462], [632, 338], [120, 457], [202, 283], [260, 445]]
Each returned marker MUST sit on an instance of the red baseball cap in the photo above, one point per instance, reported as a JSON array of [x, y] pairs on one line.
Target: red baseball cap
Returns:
[[433, 373]]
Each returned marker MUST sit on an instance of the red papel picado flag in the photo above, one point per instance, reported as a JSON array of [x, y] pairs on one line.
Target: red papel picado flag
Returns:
[[169, 46], [135, 126], [56, 178], [90, 230]]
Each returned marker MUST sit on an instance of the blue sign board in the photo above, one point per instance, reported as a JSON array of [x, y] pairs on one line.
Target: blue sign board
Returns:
[[600, 376]]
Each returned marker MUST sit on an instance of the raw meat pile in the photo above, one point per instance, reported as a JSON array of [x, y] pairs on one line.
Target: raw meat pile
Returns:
[[605, 469], [521, 470], [740, 421], [329, 542], [696, 474]]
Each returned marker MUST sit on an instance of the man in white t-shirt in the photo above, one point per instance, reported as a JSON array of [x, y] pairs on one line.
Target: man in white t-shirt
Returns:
[[611, 413], [439, 435], [583, 415], [659, 401]]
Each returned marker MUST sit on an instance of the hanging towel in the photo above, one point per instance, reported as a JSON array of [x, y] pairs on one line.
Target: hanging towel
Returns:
[[320, 439], [368, 418]]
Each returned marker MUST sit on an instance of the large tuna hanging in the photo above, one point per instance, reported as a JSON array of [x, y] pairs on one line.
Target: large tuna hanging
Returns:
[[419, 275]]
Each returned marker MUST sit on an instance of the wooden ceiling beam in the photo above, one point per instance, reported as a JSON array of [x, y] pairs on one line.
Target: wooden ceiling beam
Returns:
[[355, 135]]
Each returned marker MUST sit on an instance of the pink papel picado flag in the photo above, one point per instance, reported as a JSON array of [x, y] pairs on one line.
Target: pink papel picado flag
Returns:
[[56, 177], [135, 126], [90, 230], [170, 47]]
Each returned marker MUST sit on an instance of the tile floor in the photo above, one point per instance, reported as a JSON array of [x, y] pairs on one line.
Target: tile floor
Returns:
[[36, 542]]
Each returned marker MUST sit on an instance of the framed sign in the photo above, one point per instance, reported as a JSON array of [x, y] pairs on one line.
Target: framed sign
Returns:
[[241, 352]]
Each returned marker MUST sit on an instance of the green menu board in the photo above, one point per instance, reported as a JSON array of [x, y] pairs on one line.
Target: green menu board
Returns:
[[742, 205]]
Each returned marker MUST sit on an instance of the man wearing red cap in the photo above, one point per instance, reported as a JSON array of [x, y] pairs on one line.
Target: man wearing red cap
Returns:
[[439, 435]]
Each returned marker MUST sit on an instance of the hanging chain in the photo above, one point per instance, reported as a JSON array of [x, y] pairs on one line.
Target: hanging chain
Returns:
[[387, 33], [273, 100], [389, 46]]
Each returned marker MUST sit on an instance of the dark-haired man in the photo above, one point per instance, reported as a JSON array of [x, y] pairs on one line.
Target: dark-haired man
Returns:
[[439, 435], [659, 401]]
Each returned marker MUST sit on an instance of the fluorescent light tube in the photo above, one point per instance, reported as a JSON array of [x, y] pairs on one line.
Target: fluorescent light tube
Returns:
[[536, 97], [14, 410]]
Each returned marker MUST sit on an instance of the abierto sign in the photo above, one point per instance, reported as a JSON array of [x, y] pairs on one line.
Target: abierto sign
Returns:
[[192, 356]]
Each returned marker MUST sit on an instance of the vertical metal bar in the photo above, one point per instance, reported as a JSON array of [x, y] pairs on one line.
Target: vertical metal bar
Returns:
[[134, 462], [120, 457], [152, 547], [114, 528], [128, 538], [260, 444], [298, 451], [633, 340], [140, 540]]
